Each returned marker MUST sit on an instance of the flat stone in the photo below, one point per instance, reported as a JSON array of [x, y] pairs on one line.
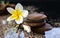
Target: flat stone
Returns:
[[36, 16], [41, 30], [40, 24]]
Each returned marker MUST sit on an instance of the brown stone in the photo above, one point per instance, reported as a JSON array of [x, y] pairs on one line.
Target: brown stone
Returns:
[[41, 30], [36, 16], [36, 19], [37, 23], [40, 24]]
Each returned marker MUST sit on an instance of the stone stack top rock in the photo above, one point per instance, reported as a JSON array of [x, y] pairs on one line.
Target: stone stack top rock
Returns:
[[36, 16], [36, 19]]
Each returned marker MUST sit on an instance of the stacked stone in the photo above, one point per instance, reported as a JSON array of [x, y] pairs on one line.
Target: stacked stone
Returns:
[[37, 22]]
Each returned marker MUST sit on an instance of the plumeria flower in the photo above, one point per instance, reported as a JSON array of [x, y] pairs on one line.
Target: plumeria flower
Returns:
[[17, 14]]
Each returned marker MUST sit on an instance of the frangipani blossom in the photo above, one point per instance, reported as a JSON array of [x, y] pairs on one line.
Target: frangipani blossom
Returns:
[[17, 14]]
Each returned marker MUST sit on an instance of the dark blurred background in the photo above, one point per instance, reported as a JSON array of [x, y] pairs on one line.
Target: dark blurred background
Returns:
[[50, 7]]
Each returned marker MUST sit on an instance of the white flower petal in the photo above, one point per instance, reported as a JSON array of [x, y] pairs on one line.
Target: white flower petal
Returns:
[[19, 6], [19, 21], [9, 19], [10, 10], [25, 13], [27, 28]]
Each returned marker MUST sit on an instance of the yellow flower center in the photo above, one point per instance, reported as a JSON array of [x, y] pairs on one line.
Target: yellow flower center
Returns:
[[17, 14]]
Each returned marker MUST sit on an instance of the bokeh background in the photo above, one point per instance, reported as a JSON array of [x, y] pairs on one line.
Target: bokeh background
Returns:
[[50, 7]]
